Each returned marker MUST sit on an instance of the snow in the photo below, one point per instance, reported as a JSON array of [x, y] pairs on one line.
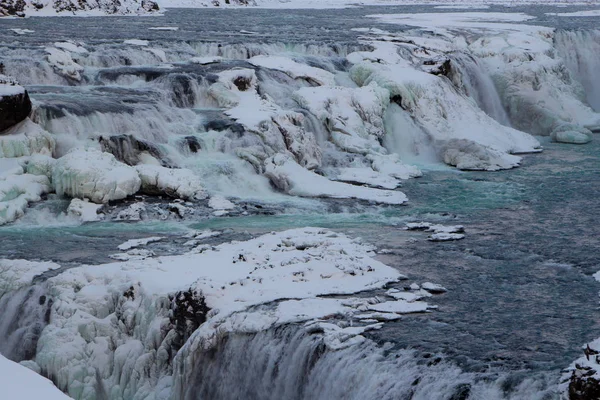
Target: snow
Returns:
[[294, 69], [94, 175], [63, 64], [17, 190], [133, 243], [90, 8], [291, 178], [179, 183], [206, 60], [164, 28], [25, 139], [399, 307], [433, 287], [84, 210], [18, 382], [137, 42], [71, 47], [19, 31], [15, 274], [220, 203]]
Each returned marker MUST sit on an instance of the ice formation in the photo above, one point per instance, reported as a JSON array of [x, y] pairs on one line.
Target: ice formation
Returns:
[[94, 175], [119, 328]]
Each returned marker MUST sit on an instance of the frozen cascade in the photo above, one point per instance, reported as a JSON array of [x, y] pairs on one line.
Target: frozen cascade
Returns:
[[294, 363], [23, 315], [479, 85], [581, 51], [405, 138]]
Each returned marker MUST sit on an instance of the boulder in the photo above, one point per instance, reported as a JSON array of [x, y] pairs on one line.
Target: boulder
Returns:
[[15, 104], [94, 175]]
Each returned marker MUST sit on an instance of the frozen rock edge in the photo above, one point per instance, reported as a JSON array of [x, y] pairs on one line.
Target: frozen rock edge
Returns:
[[134, 329]]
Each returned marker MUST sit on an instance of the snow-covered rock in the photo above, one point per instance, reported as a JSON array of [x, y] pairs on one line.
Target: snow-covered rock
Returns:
[[295, 69], [178, 183], [17, 190], [133, 243], [94, 175], [63, 63], [25, 139], [84, 210], [291, 178]]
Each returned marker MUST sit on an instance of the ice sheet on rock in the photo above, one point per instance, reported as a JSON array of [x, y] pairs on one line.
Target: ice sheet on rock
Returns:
[[134, 212], [433, 287], [399, 307], [19, 31], [133, 255], [15, 274], [179, 183], [94, 175], [355, 116], [206, 60], [137, 42], [84, 210], [17, 190], [291, 178], [294, 69], [365, 176], [445, 115], [164, 28], [19, 382], [586, 13], [133, 243], [25, 139], [445, 237], [71, 47], [63, 63]]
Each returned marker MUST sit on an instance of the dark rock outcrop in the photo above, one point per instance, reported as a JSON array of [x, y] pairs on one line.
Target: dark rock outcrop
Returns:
[[14, 108]]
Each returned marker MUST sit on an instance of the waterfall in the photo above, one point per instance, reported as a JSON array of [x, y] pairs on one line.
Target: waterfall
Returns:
[[479, 85], [405, 138], [581, 52], [23, 315], [295, 363]]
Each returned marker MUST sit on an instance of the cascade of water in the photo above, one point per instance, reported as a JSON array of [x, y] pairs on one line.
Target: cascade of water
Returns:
[[581, 52], [23, 315], [295, 363], [405, 138], [480, 86]]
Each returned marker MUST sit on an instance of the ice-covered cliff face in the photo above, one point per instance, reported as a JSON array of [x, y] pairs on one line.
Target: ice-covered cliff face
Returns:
[[21, 8], [249, 121]]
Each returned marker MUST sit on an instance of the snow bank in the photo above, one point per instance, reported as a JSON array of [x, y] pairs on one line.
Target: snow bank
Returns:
[[18, 382], [178, 183], [94, 175]]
